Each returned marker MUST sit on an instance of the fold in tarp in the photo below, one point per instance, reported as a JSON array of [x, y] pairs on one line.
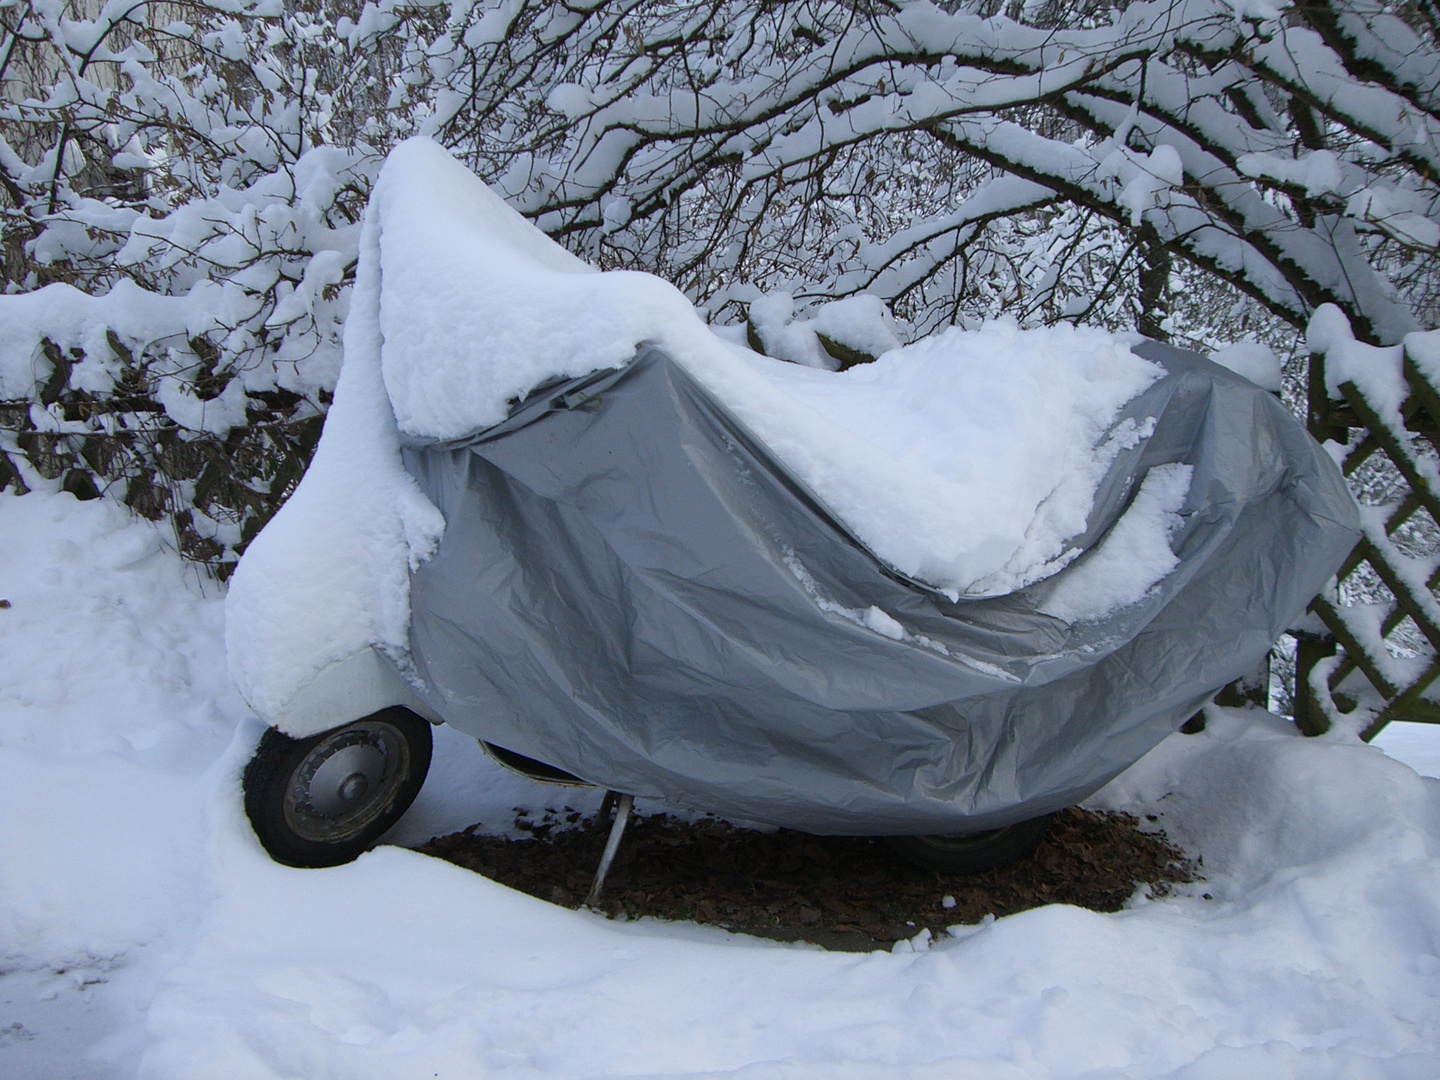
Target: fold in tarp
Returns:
[[632, 589]]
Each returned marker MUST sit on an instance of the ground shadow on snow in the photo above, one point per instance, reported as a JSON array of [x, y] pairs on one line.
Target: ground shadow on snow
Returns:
[[846, 893]]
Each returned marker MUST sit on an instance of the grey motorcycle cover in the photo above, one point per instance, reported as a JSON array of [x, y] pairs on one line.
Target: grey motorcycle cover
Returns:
[[632, 589]]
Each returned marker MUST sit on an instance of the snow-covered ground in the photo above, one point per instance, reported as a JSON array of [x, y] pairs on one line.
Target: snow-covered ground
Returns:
[[143, 931]]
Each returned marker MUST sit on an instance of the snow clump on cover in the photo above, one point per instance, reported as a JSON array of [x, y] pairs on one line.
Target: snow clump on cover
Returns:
[[965, 460], [1254, 361], [329, 575], [1134, 554]]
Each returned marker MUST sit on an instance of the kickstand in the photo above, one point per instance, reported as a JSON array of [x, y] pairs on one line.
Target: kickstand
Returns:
[[622, 815]]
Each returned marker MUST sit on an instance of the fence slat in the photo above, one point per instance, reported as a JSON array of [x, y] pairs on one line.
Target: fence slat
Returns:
[[1411, 582]]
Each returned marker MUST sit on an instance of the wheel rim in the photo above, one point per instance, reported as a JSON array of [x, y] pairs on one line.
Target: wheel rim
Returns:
[[347, 781]]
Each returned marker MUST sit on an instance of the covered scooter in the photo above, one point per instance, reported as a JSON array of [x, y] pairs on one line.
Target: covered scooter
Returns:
[[628, 583]]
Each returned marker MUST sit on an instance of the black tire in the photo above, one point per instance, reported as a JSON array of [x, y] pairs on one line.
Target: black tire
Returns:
[[973, 853], [322, 800]]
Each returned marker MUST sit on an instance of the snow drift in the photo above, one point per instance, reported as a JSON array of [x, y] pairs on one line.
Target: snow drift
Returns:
[[127, 864]]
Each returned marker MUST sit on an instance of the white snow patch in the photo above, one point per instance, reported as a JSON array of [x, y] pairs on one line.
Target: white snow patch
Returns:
[[74, 320], [1254, 361], [569, 100], [1423, 347], [882, 624], [217, 415], [1393, 211], [1319, 172], [968, 458], [773, 317], [1148, 181], [1134, 555], [114, 707], [1417, 745], [329, 575], [1379, 372], [860, 322]]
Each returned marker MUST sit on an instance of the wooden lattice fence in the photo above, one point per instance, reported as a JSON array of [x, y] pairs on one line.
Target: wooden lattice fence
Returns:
[[1372, 652]]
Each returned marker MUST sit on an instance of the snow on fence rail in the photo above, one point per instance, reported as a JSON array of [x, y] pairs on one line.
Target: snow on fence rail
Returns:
[[1376, 652]]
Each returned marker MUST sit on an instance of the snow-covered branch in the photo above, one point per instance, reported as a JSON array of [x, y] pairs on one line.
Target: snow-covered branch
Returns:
[[956, 162]]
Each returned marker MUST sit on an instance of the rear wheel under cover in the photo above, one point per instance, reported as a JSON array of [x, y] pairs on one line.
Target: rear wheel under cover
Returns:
[[972, 853], [322, 800]]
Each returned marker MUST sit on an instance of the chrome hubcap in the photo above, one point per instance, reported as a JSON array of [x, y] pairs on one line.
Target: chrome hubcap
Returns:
[[346, 781]]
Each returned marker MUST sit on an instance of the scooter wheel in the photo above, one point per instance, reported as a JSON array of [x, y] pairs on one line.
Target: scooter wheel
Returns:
[[972, 853], [322, 800]]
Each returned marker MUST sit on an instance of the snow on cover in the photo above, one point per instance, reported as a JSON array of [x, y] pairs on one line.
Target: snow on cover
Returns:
[[330, 574], [144, 933], [965, 460], [1134, 554], [1256, 362]]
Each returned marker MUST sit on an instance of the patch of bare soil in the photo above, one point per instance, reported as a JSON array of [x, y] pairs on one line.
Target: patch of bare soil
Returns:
[[838, 892]]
